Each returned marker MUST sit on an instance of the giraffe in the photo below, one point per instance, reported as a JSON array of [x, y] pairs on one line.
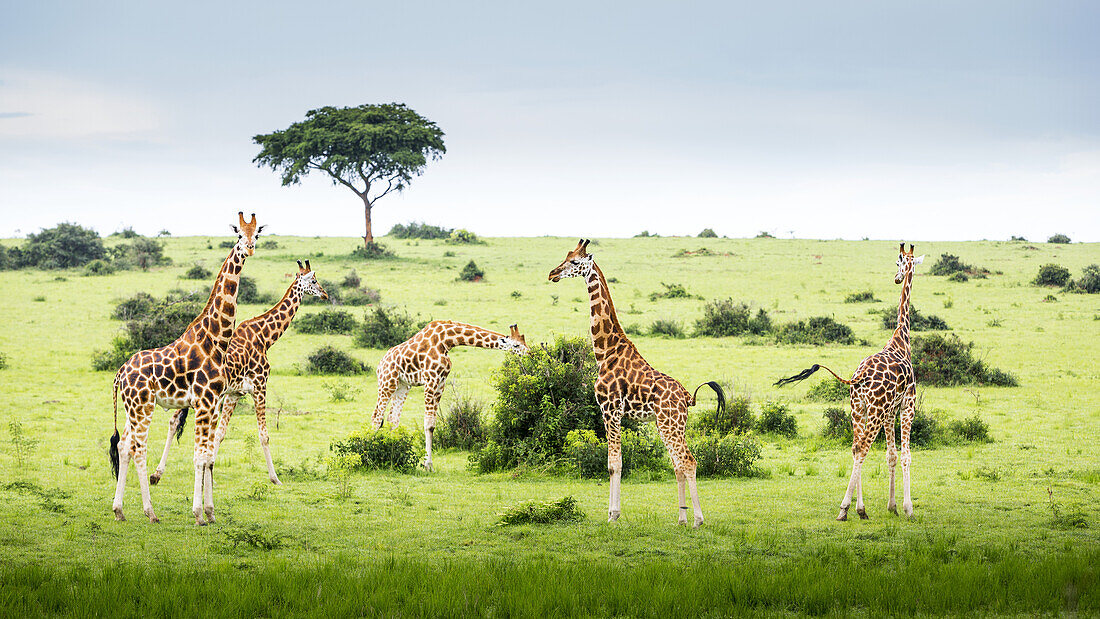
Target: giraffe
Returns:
[[628, 386], [247, 369], [186, 373], [423, 360], [883, 385]]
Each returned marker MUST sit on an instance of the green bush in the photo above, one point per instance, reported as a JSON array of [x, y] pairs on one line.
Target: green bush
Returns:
[[828, 390], [99, 267], [838, 423], [383, 328], [361, 296], [197, 272], [138, 305], [865, 296], [395, 449], [1089, 282], [64, 246], [464, 237], [736, 418], [950, 264], [672, 291], [816, 331], [972, 429], [126, 233], [917, 321], [327, 321], [372, 251], [641, 450], [332, 360], [776, 418], [958, 276], [723, 318], [471, 273], [149, 324], [142, 254], [249, 294], [419, 230], [351, 280], [1059, 238], [708, 233], [1051, 275], [733, 455], [227, 244], [562, 510], [944, 361], [463, 427], [667, 327]]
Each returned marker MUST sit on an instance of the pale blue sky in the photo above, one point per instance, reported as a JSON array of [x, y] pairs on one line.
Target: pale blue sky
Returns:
[[931, 120]]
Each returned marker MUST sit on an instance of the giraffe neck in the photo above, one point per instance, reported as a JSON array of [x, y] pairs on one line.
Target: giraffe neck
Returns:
[[468, 335], [274, 322], [900, 339], [606, 330], [216, 321]]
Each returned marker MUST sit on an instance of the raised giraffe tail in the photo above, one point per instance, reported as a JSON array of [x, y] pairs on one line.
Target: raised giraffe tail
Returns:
[[804, 374], [112, 451], [717, 390]]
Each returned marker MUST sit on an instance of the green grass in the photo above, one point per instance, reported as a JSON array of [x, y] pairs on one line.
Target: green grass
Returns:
[[988, 542]]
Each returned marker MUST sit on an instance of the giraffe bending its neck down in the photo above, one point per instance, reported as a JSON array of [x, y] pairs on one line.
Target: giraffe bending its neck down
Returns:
[[883, 385], [423, 360], [627, 386], [246, 368], [186, 373]]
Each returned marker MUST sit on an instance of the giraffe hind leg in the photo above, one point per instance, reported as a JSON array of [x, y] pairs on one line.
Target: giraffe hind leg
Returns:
[[891, 458], [174, 423]]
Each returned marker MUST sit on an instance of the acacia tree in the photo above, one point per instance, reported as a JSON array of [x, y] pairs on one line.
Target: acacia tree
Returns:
[[370, 149]]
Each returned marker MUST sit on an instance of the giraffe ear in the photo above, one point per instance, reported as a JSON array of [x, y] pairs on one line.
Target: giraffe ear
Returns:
[[260, 229], [236, 230], [919, 259]]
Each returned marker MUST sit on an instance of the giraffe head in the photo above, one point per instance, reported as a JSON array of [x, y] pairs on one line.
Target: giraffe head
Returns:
[[577, 263], [513, 342], [306, 281], [906, 262], [247, 233]]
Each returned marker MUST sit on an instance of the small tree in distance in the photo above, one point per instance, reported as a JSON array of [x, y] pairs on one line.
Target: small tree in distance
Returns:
[[370, 149]]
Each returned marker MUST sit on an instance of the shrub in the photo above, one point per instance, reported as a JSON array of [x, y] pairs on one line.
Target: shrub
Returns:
[[776, 418], [708, 233], [917, 321], [644, 234], [562, 510], [247, 293], [142, 254], [1089, 282], [351, 280], [765, 235], [140, 304], [340, 391], [268, 244], [397, 448], [541, 397], [944, 361], [866, 296], [464, 237], [463, 426], [816, 331], [361, 296], [838, 423], [1051, 275], [471, 273], [828, 390], [196, 272], [641, 450], [737, 418], [372, 251], [1059, 238], [226, 244], [958, 277], [730, 456], [723, 318], [950, 264], [149, 324], [1017, 238], [335, 294], [667, 327], [327, 321], [972, 429], [383, 328], [672, 291], [332, 360], [633, 329], [63, 246], [126, 233], [419, 230], [99, 267]]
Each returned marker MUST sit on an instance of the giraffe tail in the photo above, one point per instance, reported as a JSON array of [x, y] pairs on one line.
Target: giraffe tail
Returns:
[[112, 451], [179, 424], [804, 374], [717, 390]]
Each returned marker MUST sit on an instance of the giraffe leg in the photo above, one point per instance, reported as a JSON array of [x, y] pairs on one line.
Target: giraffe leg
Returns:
[[123, 467], [857, 457], [396, 404], [387, 384], [906, 457], [173, 423], [140, 452], [891, 459], [433, 391], [259, 399], [228, 404], [614, 465], [684, 465], [202, 499], [681, 485]]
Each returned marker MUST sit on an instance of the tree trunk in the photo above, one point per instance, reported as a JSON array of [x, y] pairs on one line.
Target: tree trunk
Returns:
[[368, 237]]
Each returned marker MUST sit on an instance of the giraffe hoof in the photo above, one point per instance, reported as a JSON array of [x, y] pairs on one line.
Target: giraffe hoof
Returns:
[[613, 516], [909, 511], [200, 522], [275, 480], [118, 515], [698, 523], [893, 509], [862, 514], [843, 514], [154, 520], [154, 478]]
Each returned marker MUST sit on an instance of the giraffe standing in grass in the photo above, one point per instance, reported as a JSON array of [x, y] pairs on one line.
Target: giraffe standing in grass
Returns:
[[883, 385], [423, 360], [628, 386], [246, 367], [186, 373]]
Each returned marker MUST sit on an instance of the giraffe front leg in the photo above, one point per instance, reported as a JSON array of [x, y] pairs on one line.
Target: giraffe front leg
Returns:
[[433, 391], [140, 452], [906, 456], [174, 422], [891, 460], [614, 465], [259, 398], [202, 499]]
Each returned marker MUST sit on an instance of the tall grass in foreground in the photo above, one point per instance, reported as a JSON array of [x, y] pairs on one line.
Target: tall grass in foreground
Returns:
[[929, 579]]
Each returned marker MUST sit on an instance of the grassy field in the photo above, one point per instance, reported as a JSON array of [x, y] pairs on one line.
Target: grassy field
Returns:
[[984, 537]]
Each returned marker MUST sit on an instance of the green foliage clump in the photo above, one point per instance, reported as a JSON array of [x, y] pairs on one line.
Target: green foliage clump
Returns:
[[3, 361], [99, 267], [1089, 282], [950, 264], [733, 455], [142, 254], [828, 390], [332, 360], [471, 273], [327, 321], [66, 245], [351, 280], [464, 237], [197, 272], [724, 318], [708, 233], [776, 418], [945, 361], [816, 331], [541, 397], [137, 305], [666, 327], [865, 296], [737, 418], [972, 429], [383, 328], [1051, 275], [1059, 239], [917, 320], [126, 233], [764, 234], [644, 234], [641, 450], [838, 423], [360, 296], [562, 510], [395, 449], [419, 230], [672, 291], [254, 536], [149, 324], [268, 244], [463, 427], [249, 294], [373, 251]]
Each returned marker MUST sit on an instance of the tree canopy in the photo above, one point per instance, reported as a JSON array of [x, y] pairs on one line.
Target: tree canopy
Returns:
[[370, 149]]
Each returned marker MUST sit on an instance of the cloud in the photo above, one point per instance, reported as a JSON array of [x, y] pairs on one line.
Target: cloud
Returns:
[[53, 106]]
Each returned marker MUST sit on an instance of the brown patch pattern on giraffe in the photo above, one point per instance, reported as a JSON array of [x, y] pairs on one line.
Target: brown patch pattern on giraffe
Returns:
[[423, 360], [628, 386]]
